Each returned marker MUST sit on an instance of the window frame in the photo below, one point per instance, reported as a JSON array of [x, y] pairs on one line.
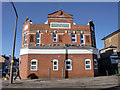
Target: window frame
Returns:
[[88, 64], [25, 39], [82, 39], [95, 64], [26, 27], [54, 37], [33, 65], [61, 24], [68, 65], [109, 40], [31, 38], [38, 38], [55, 60], [74, 37]]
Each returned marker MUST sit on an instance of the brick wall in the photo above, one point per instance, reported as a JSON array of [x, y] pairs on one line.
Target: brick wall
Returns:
[[45, 62], [114, 41]]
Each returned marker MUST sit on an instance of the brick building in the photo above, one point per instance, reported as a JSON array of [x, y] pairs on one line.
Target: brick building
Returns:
[[59, 48], [110, 54]]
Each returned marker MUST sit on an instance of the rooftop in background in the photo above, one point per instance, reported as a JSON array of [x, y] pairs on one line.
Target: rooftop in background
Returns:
[[115, 32]]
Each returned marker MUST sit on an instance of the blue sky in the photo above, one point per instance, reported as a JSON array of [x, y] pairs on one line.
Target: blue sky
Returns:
[[104, 16]]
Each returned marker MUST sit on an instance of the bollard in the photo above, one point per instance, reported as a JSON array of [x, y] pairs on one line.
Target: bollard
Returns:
[[62, 72], [115, 71], [49, 73], [107, 72]]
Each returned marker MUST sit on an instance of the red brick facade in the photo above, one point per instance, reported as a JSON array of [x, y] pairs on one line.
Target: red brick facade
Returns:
[[62, 49]]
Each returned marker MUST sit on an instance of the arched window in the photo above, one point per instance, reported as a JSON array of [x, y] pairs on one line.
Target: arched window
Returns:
[[95, 64], [55, 64], [68, 64], [33, 65], [87, 64]]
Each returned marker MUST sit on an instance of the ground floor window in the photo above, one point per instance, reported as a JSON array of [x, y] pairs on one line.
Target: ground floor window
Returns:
[[33, 65], [95, 64], [68, 64], [87, 64], [55, 64]]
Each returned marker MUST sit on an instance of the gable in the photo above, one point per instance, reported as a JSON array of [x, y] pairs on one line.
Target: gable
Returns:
[[59, 14]]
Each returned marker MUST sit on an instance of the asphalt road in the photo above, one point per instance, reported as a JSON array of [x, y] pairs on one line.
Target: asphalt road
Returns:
[[84, 82]]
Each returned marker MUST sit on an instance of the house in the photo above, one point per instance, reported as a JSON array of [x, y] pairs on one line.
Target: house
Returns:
[[5, 62], [2, 60], [59, 48], [110, 54]]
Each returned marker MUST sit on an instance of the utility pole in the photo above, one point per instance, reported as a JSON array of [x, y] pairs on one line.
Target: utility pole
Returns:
[[12, 61]]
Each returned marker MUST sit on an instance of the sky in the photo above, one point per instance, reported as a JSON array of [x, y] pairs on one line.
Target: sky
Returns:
[[103, 14]]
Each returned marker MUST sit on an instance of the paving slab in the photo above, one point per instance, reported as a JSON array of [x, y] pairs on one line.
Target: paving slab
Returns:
[[84, 82]]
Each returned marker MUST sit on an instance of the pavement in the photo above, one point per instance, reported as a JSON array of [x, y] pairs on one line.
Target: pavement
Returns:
[[83, 82]]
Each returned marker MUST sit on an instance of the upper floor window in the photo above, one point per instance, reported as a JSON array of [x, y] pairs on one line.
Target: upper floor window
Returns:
[[26, 27], [37, 38], [109, 39], [60, 38], [68, 64], [55, 64], [95, 64], [93, 39], [60, 25], [82, 38], [73, 37], [54, 37], [33, 64], [87, 64], [87, 39], [31, 38], [25, 39]]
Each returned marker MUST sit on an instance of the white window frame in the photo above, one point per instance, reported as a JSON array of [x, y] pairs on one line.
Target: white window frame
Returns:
[[109, 39], [55, 65], [61, 24], [87, 64], [95, 64], [82, 39], [25, 39], [74, 38], [26, 27], [38, 38], [68, 64], [33, 65], [55, 37]]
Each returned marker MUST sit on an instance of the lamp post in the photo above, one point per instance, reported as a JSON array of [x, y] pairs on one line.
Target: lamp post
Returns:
[[12, 61]]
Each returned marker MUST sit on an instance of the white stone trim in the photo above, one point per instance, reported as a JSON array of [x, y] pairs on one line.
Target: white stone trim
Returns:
[[60, 33], [31, 33], [24, 51]]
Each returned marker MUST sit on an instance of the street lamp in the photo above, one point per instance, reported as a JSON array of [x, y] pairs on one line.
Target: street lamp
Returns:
[[11, 69]]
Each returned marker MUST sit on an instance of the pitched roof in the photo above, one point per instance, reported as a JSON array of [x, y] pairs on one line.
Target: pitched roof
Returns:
[[60, 14], [111, 34], [108, 47]]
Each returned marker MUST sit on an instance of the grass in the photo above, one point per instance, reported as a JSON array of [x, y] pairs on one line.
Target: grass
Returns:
[[115, 75]]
